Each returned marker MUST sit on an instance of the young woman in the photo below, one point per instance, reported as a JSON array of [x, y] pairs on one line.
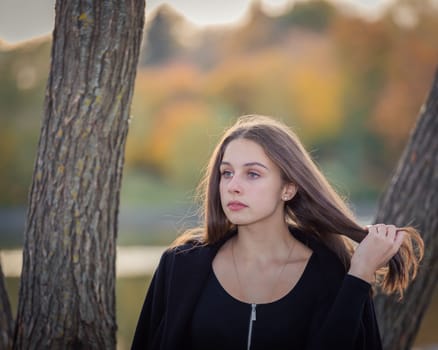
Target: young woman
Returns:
[[272, 267]]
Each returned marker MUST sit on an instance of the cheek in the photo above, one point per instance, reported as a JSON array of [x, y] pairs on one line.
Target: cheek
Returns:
[[222, 192], [270, 190], [221, 188], [270, 195]]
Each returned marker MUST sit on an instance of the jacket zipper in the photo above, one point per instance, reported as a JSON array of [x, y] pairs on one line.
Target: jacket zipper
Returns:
[[252, 318]]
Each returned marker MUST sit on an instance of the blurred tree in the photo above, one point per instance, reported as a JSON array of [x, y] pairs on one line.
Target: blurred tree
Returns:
[[257, 32], [411, 199], [389, 67], [410, 55], [181, 141], [314, 15], [161, 38], [67, 290]]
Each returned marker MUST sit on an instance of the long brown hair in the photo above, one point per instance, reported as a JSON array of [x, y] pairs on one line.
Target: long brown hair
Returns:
[[316, 209]]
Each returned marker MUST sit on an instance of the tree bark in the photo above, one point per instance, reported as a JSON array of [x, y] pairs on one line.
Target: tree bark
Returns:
[[6, 321], [412, 200], [67, 292]]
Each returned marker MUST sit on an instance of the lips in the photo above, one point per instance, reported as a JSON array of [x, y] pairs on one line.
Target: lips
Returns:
[[236, 205]]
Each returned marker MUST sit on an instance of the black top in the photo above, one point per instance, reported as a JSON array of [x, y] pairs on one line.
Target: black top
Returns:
[[282, 324], [334, 310], [292, 322]]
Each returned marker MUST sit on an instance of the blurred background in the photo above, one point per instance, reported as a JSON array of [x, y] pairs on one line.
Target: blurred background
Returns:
[[348, 76]]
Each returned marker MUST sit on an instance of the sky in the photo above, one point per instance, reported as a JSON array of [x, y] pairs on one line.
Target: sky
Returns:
[[22, 20]]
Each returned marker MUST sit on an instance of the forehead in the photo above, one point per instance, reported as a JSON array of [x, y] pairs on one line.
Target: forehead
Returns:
[[242, 151]]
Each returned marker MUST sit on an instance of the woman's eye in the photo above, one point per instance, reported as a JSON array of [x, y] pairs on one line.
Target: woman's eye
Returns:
[[253, 175], [226, 173]]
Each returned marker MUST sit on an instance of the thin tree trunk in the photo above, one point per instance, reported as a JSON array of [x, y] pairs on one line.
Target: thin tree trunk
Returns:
[[67, 292], [412, 200], [6, 321]]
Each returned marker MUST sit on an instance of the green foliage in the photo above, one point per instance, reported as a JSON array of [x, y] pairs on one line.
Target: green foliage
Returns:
[[130, 292], [23, 74], [139, 187], [313, 15]]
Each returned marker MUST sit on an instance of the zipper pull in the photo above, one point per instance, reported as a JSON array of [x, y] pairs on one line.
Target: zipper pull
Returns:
[[251, 320]]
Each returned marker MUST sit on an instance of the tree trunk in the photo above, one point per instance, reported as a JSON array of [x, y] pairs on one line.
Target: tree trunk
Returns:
[[67, 292], [6, 321], [412, 200]]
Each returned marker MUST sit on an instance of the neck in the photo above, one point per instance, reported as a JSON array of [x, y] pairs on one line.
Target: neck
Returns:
[[263, 243]]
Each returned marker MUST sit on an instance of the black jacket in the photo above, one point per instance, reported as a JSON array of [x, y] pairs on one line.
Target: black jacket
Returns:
[[345, 317]]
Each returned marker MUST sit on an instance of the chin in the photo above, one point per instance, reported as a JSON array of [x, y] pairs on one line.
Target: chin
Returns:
[[240, 221], [234, 220]]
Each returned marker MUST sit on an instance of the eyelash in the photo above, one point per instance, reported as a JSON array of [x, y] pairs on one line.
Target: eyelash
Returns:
[[226, 173], [251, 174]]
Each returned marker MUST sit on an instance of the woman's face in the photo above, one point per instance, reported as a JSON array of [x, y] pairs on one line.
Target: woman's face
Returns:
[[251, 188]]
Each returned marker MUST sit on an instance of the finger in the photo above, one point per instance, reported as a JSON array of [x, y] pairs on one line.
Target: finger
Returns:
[[399, 238], [381, 229], [372, 229], [391, 232]]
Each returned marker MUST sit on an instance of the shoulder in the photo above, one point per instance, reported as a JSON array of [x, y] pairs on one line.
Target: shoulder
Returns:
[[330, 264], [328, 268], [196, 247], [189, 251], [192, 255]]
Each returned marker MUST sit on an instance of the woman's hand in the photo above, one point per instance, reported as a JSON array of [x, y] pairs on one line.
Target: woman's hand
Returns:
[[380, 244]]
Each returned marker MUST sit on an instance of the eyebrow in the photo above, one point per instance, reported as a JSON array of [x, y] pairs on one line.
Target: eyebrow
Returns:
[[248, 164]]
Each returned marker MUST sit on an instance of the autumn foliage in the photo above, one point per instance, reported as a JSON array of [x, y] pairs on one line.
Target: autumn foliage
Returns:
[[350, 87]]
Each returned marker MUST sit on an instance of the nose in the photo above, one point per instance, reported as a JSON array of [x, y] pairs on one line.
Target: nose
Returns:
[[234, 185]]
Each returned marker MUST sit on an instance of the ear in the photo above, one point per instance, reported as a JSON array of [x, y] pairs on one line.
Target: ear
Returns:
[[289, 191]]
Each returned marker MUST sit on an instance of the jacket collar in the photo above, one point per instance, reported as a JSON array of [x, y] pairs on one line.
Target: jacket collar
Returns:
[[191, 267]]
